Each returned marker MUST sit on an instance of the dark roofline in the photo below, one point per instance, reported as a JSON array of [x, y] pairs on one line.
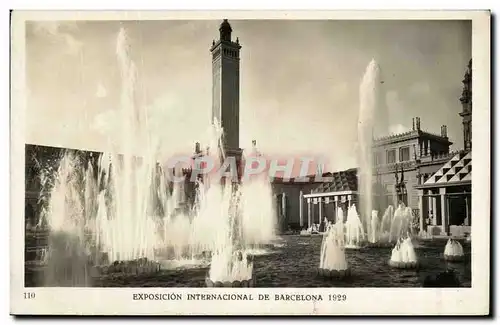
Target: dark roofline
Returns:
[[409, 135], [311, 179], [439, 185]]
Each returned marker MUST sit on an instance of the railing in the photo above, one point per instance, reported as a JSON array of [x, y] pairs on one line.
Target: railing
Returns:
[[440, 156]]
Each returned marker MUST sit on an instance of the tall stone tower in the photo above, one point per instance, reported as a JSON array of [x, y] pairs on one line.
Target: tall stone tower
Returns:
[[226, 93], [226, 86], [466, 114]]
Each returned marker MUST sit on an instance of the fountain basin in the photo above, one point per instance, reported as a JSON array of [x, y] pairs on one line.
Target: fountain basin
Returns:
[[404, 265], [453, 252], [250, 283], [334, 274], [350, 246], [454, 258], [136, 267], [379, 245]]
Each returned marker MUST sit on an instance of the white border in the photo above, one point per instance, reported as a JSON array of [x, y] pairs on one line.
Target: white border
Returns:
[[364, 301]]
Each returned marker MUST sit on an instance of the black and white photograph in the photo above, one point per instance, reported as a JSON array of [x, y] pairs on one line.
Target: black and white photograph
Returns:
[[221, 153]]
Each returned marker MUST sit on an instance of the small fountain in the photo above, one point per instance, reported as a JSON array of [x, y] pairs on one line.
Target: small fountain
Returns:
[[333, 263], [354, 233], [403, 255], [230, 269], [385, 224], [377, 237], [401, 223], [424, 235], [453, 251], [305, 232], [312, 230]]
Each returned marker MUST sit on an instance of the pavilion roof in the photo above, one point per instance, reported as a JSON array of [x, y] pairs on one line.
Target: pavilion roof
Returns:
[[345, 180], [457, 170]]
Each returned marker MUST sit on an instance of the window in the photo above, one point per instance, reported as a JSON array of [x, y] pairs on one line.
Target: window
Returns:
[[391, 156], [404, 154]]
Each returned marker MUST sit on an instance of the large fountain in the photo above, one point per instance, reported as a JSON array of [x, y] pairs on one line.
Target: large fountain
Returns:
[[67, 253], [128, 209], [372, 121]]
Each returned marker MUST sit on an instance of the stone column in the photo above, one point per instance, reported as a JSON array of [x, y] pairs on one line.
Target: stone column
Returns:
[[314, 202], [301, 209], [320, 207], [421, 209], [429, 206], [444, 211], [434, 209], [335, 209], [308, 212]]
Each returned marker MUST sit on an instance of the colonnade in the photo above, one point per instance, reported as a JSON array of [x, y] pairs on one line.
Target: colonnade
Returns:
[[433, 204], [323, 201]]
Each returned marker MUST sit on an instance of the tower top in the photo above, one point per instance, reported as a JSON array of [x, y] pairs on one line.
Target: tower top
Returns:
[[225, 31]]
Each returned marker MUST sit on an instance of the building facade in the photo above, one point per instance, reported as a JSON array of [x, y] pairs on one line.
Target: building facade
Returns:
[[401, 162], [445, 196], [415, 168]]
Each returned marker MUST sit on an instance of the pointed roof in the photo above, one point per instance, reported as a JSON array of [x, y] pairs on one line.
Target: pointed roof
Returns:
[[456, 171]]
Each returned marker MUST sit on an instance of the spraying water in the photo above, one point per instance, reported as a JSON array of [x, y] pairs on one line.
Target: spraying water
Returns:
[[126, 227], [401, 223], [68, 254], [258, 222], [374, 234], [453, 250], [371, 122], [385, 226], [332, 251], [124, 207], [339, 224], [354, 232], [403, 255]]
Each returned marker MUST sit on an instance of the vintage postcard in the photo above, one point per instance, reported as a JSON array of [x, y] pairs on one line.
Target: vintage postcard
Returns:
[[250, 163]]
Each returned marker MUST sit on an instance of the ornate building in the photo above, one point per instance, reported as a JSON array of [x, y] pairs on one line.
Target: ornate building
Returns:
[[445, 196], [466, 113], [415, 167], [401, 162]]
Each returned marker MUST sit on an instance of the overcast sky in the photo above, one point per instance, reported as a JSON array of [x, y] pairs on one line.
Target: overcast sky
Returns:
[[299, 80]]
